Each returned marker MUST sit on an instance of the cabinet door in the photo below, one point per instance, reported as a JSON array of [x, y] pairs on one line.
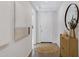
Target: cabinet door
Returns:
[[64, 47], [62, 44], [73, 47]]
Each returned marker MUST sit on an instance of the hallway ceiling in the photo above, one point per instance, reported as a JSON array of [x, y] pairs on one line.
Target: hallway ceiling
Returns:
[[47, 5]]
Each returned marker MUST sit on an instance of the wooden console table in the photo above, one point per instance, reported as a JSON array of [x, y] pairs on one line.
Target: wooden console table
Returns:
[[68, 46]]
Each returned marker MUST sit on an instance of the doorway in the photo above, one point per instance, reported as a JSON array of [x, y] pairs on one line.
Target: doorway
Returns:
[[33, 28]]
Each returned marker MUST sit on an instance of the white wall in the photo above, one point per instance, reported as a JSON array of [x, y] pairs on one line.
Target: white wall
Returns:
[[47, 26], [61, 25], [21, 14], [14, 48]]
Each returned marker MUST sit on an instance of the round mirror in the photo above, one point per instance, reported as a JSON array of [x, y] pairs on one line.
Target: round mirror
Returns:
[[71, 16]]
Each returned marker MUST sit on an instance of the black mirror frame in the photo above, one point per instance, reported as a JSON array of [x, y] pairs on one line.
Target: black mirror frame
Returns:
[[77, 15]]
